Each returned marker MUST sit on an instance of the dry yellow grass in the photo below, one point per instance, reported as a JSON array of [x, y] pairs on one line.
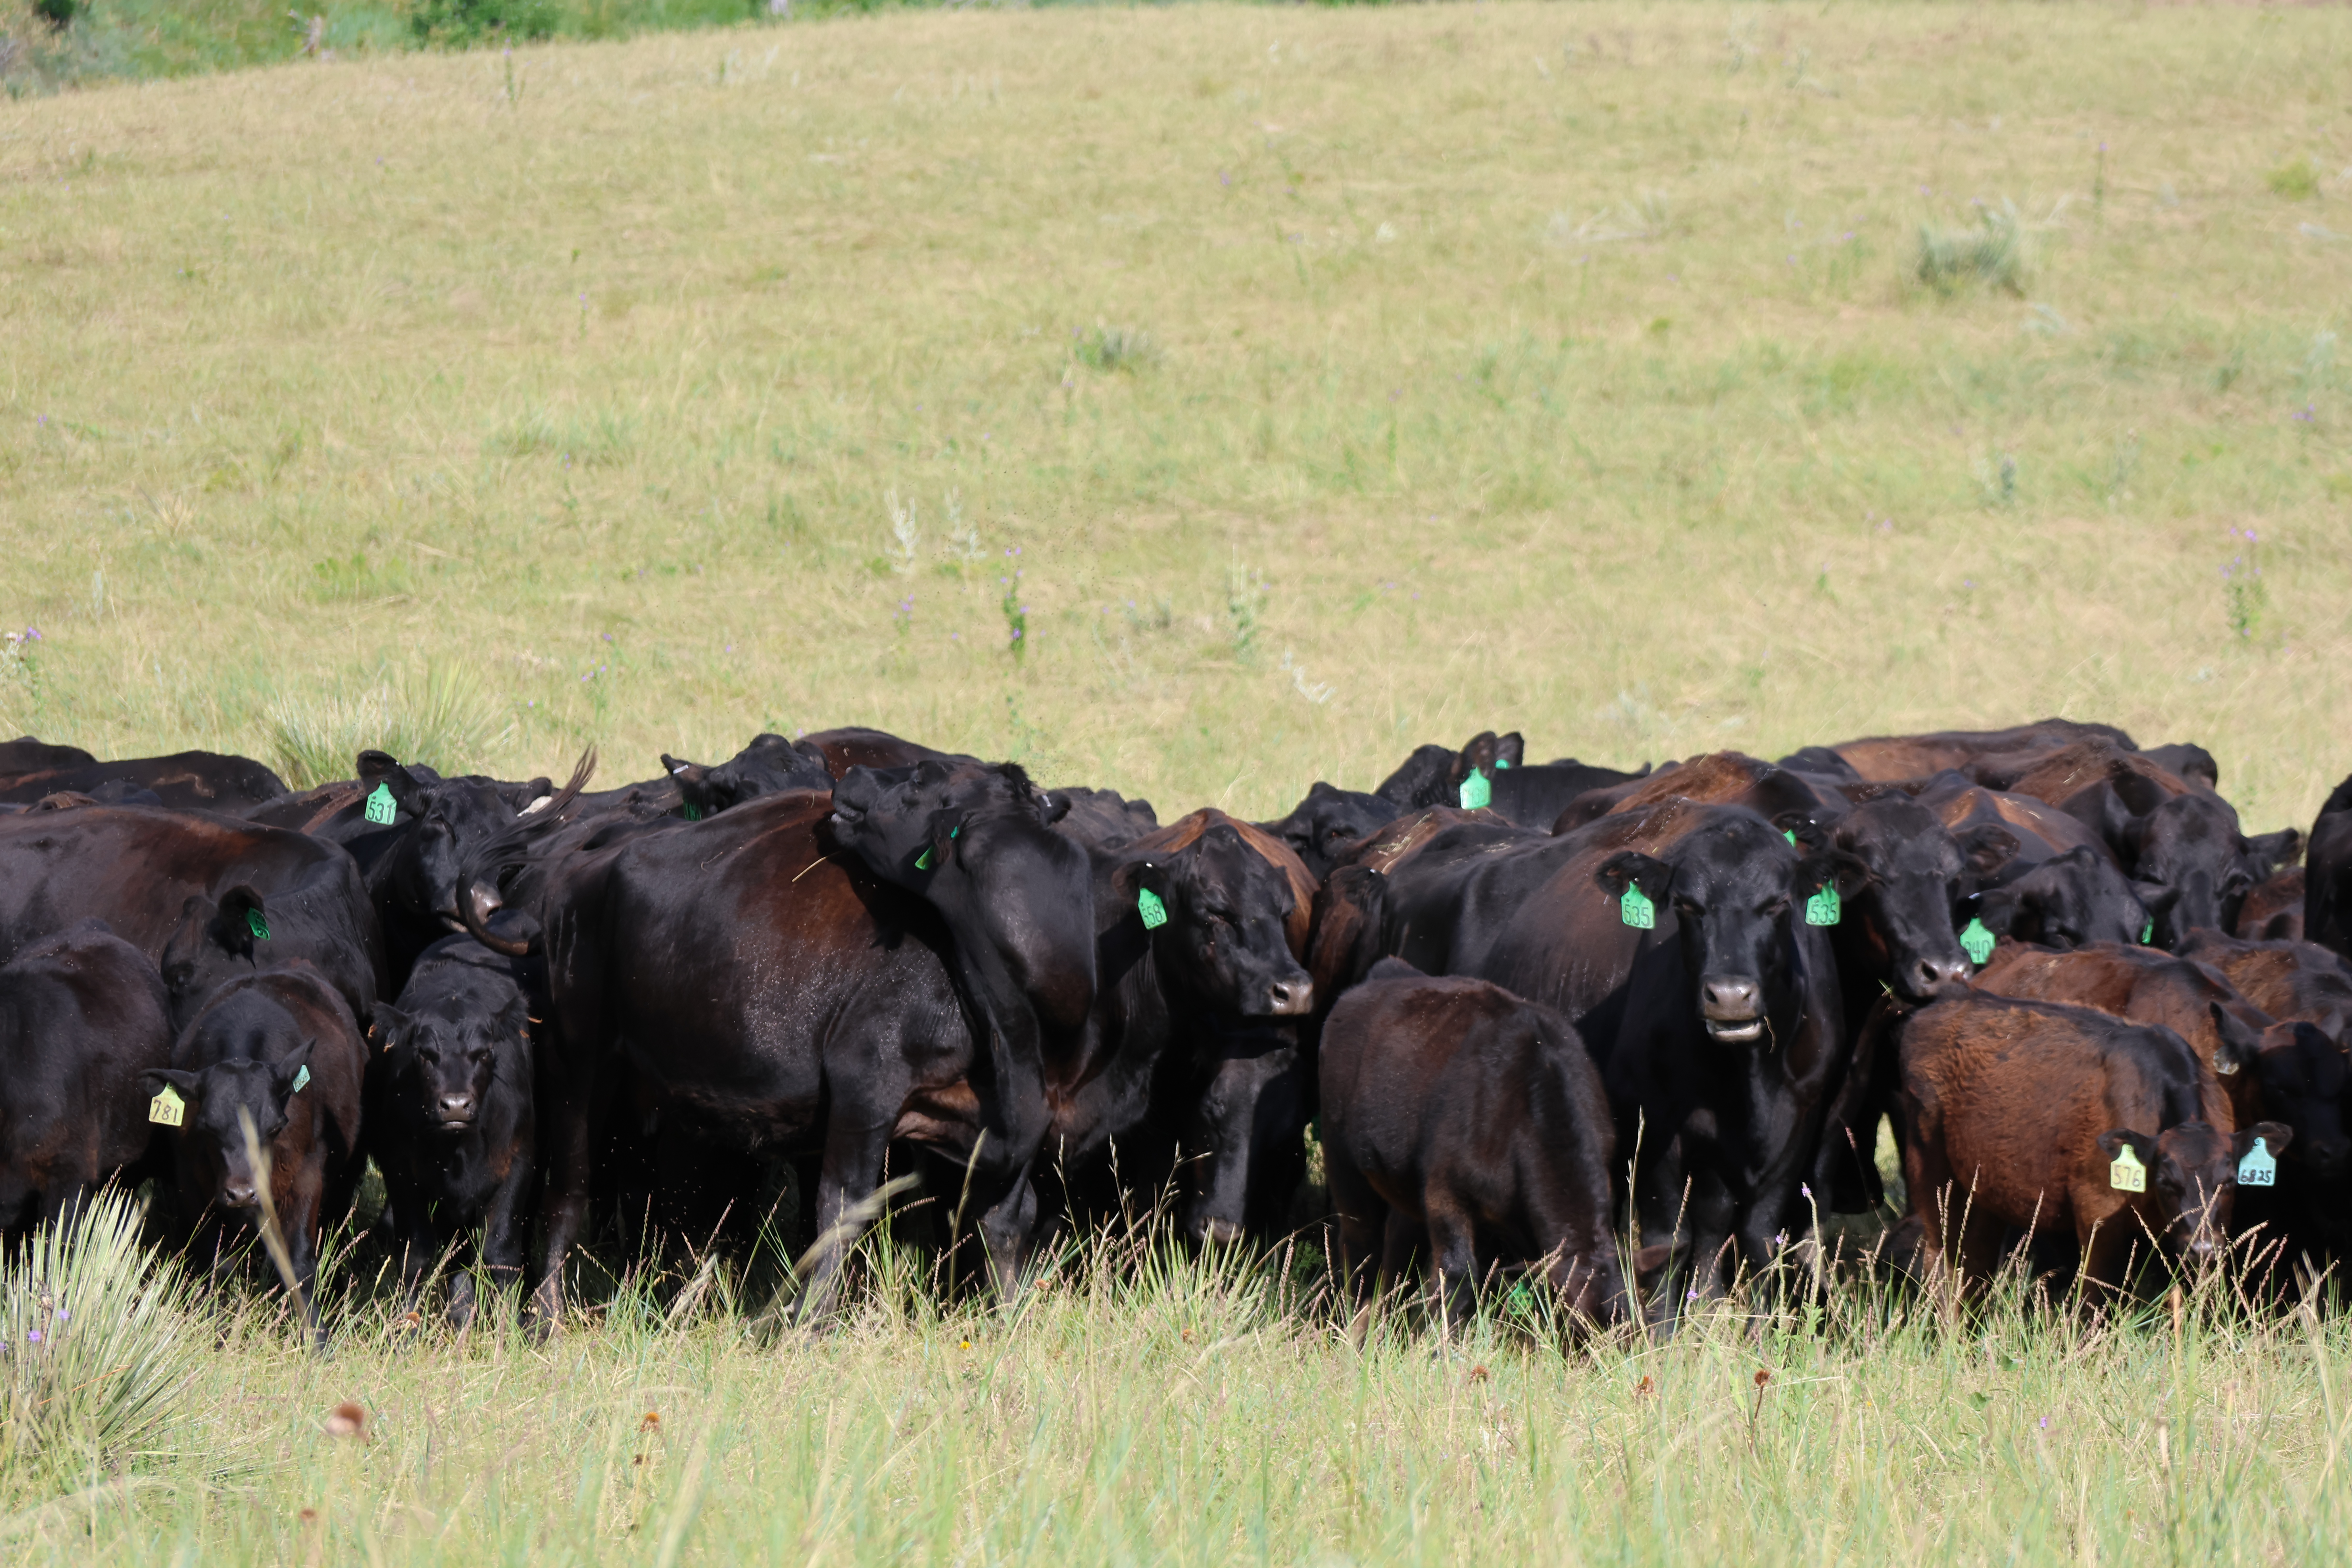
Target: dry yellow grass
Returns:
[[1561, 368]]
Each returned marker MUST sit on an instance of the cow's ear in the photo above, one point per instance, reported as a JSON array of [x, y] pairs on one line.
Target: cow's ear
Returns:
[[1825, 868], [2239, 1045], [1803, 829], [1057, 805], [1511, 749], [2275, 852], [695, 791], [382, 768], [177, 1077], [388, 1023], [1478, 754], [1997, 907], [1987, 847], [1631, 868], [2112, 1144], [1346, 928], [2275, 1137], [292, 1069], [515, 1018], [240, 922]]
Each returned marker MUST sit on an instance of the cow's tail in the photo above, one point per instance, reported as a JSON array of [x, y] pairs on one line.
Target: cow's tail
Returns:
[[486, 868]]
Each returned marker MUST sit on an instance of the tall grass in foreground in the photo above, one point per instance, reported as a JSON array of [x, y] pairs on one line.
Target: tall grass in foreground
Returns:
[[1138, 1405], [439, 717], [94, 1347]]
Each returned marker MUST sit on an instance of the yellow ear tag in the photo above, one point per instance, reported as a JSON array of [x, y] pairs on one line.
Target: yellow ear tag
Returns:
[[167, 1108], [2127, 1174]]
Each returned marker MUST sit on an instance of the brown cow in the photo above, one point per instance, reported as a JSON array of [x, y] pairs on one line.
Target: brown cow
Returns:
[[1892, 757], [2290, 980], [2273, 909], [2017, 1115], [1454, 1111]]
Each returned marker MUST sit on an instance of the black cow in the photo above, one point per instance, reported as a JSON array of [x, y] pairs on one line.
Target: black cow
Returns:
[[1892, 758], [26, 754], [1491, 771], [187, 781], [280, 1052], [449, 1112], [1455, 1112], [82, 1017], [2327, 874], [769, 765], [1151, 984], [1101, 817], [1670, 938], [1319, 828], [207, 899], [2072, 900]]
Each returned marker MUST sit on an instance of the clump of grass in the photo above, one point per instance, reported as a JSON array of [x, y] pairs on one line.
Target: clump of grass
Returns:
[[1109, 349], [443, 719], [2297, 180], [1990, 252], [92, 1359]]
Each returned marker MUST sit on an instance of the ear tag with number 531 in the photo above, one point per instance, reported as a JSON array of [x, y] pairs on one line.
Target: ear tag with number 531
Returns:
[[382, 809], [2127, 1174], [167, 1108]]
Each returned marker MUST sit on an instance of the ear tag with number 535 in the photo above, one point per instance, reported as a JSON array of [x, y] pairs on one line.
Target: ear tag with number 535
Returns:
[[1634, 907]]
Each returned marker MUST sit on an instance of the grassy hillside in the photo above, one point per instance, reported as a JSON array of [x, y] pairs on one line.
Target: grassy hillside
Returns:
[[1343, 380]]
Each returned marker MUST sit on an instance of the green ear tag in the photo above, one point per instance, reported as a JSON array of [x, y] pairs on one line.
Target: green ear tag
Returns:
[[2127, 1174], [301, 1076], [1976, 941], [923, 861], [2258, 1169], [257, 925], [1477, 790], [1823, 908], [382, 809], [1154, 912], [693, 812], [1634, 907], [2147, 934], [167, 1108], [1790, 835], [1502, 762]]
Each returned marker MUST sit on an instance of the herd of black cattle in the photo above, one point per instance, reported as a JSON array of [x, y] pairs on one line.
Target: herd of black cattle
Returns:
[[1528, 1010]]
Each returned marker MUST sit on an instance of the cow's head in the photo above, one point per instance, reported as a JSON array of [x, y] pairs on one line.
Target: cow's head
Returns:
[[1228, 911], [442, 1055], [213, 1158], [1323, 824], [1735, 885], [2190, 846], [2072, 900], [2192, 1174], [215, 941], [1903, 912], [2302, 1075], [771, 764]]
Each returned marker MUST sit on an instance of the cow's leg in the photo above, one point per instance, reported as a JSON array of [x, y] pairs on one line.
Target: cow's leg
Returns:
[[567, 1163], [413, 1235], [63, 1201], [1400, 1240], [1008, 1230], [855, 1144], [1453, 1260], [1362, 1216], [298, 1225], [505, 1230], [1714, 1243]]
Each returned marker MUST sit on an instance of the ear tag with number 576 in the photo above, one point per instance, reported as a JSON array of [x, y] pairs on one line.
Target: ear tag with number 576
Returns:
[[2127, 1174]]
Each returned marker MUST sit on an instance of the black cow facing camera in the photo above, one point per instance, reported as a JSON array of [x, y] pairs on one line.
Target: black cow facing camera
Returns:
[[1456, 1113], [280, 1050], [450, 1115]]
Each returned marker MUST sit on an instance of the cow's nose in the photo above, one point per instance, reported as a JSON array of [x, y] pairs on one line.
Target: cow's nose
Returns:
[[1936, 975], [1215, 1231], [456, 1107], [1288, 998], [1730, 998], [237, 1195]]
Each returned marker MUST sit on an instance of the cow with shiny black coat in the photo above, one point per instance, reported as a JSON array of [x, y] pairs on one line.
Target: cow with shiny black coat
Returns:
[[1672, 939], [1156, 986]]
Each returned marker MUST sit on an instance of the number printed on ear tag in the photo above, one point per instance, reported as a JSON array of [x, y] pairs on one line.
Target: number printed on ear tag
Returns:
[[1823, 908], [1976, 941], [380, 807], [1148, 905], [2258, 1169], [167, 1108], [1478, 790], [2127, 1174], [1634, 907]]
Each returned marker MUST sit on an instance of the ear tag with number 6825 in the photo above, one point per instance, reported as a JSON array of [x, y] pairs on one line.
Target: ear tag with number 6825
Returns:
[[2258, 1169], [2127, 1174]]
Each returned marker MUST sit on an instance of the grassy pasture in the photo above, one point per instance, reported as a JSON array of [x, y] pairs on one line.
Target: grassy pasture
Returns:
[[1342, 379]]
